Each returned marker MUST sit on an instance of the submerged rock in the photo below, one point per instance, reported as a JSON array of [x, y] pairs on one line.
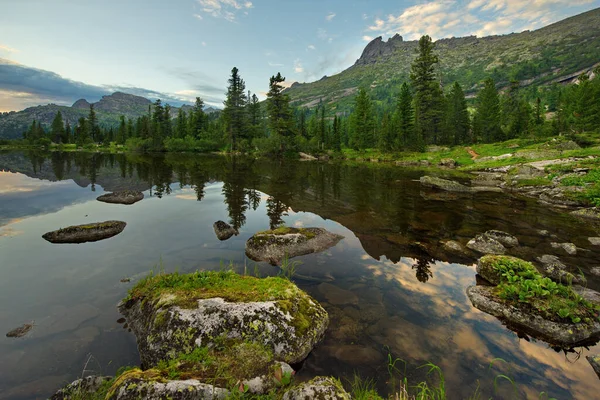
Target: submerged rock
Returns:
[[318, 388], [504, 238], [127, 197], [223, 230], [452, 186], [20, 331], [594, 360], [486, 245], [554, 269], [274, 245], [558, 333], [272, 312], [86, 233]]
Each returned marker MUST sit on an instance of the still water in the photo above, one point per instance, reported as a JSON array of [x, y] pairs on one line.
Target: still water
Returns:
[[388, 286]]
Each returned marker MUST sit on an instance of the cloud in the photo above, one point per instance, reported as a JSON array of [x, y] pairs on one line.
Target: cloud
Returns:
[[330, 17], [22, 86], [311, 47], [367, 38], [298, 68], [8, 49], [226, 9], [447, 18]]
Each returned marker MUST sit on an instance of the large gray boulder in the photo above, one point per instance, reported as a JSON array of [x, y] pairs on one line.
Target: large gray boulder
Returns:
[[486, 245], [274, 245], [557, 333], [86, 233], [318, 388], [126, 197], [223, 230], [81, 388], [553, 268], [272, 312]]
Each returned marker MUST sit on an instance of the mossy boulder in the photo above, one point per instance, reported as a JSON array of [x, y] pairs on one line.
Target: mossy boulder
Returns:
[[452, 186], [319, 388], [594, 361], [126, 197], [172, 314], [487, 267], [486, 245], [86, 233], [274, 245], [84, 388], [223, 230], [587, 213]]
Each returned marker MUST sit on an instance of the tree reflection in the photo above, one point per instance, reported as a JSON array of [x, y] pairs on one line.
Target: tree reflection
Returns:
[[422, 269]]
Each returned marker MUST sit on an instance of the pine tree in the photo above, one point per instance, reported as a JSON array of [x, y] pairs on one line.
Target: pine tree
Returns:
[[122, 133], [181, 125], [82, 132], [457, 116], [254, 116], [336, 140], [429, 100], [198, 119], [92, 125], [486, 122], [57, 129], [279, 112], [406, 137], [362, 122], [68, 133], [322, 136], [234, 112]]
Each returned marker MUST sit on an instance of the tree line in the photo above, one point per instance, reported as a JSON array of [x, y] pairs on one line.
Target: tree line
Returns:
[[424, 113]]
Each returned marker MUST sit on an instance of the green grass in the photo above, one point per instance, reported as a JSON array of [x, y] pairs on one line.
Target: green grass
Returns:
[[523, 286]]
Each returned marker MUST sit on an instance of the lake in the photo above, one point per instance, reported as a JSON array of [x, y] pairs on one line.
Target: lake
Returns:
[[389, 287]]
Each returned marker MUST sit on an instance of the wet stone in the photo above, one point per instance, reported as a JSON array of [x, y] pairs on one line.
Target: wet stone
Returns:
[[569, 248], [594, 241], [336, 295], [20, 331]]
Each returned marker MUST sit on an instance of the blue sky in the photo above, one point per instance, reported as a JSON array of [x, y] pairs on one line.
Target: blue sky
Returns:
[[61, 50]]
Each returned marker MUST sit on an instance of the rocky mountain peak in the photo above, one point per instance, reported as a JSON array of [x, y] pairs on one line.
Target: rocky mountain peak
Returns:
[[82, 104], [377, 49]]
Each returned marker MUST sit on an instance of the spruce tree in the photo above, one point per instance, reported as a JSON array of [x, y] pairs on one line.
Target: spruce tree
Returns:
[[406, 137], [254, 115], [429, 99], [122, 132], [362, 122], [486, 122], [336, 140], [92, 125], [279, 112], [181, 125], [68, 133], [198, 119], [234, 112], [458, 124], [57, 129]]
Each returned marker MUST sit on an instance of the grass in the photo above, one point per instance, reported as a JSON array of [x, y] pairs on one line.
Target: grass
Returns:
[[523, 286], [226, 284]]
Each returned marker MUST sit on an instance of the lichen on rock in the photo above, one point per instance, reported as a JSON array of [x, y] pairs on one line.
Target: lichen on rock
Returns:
[[274, 245], [319, 388]]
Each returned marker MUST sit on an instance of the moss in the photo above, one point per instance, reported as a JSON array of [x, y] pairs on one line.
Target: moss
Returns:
[[285, 230], [185, 289], [161, 318]]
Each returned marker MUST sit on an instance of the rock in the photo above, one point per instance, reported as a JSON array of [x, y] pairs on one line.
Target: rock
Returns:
[[151, 389], [444, 184], [594, 360], [556, 196], [307, 157], [336, 295], [448, 163], [318, 388], [568, 145], [504, 238], [274, 245], [486, 264], [20, 331], [557, 333], [486, 245], [595, 271], [587, 294], [528, 171], [86, 233], [557, 271], [595, 241], [81, 388], [223, 230], [493, 158], [588, 213], [272, 312], [124, 197], [355, 355], [569, 248]]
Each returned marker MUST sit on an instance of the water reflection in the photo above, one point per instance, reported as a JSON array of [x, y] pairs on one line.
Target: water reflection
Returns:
[[390, 286]]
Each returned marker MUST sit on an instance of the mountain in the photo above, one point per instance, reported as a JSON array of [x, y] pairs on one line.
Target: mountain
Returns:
[[555, 53], [108, 109]]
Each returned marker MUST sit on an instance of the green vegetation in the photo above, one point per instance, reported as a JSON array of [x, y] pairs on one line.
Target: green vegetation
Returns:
[[285, 230], [226, 284], [522, 285]]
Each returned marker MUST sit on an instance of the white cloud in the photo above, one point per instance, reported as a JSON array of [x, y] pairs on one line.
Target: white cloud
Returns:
[[8, 49], [298, 68], [223, 8], [367, 38], [446, 18], [311, 47], [330, 16]]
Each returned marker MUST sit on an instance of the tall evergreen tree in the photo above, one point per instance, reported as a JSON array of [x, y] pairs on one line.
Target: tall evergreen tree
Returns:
[[234, 112], [68, 133], [181, 125], [458, 124], [279, 112], [486, 122], [57, 129], [429, 99], [336, 139], [92, 125], [362, 122], [254, 115], [406, 137], [198, 119], [122, 132]]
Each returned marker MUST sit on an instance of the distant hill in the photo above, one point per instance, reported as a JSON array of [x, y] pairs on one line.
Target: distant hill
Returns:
[[556, 53], [108, 109]]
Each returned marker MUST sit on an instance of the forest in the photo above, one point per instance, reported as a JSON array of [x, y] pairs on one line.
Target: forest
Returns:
[[424, 112]]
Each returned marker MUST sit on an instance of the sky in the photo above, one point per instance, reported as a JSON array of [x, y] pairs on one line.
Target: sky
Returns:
[[57, 51]]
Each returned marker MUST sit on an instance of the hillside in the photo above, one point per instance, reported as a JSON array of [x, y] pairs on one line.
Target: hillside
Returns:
[[108, 109], [556, 53]]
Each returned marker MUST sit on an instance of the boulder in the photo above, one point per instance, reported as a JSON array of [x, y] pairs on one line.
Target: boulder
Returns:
[[594, 360], [274, 245], [595, 241], [444, 184], [81, 388], [486, 267], [307, 157], [318, 388], [195, 310], [504, 238], [486, 245], [595, 271], [148, 387], [20, 331], [127, 197], [554, 269], [448, 163], [557, 333], [588, 213], [454, 247], [86, 233], [569, 248], [223, 230]]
